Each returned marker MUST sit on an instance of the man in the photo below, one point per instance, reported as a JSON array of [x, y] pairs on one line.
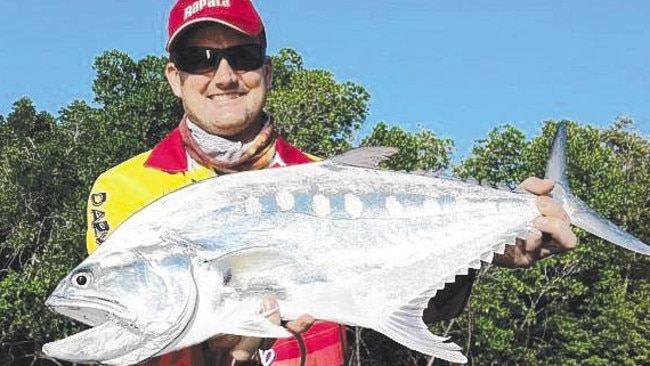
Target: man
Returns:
[[219, 70]]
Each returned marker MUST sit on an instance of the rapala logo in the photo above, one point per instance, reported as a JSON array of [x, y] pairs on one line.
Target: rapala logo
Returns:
[[199, 5]]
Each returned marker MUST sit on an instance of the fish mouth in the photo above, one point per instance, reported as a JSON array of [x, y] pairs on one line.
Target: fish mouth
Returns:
[[114, 338], [92, 311], [108, 343]]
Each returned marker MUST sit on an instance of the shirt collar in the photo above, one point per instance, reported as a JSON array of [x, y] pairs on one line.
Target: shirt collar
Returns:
[[170, 155]]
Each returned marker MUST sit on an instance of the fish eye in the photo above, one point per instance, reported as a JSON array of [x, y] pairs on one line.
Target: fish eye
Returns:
[[81, 279]]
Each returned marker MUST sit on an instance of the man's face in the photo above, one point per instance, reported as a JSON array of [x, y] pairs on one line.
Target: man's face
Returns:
[[224, 102]]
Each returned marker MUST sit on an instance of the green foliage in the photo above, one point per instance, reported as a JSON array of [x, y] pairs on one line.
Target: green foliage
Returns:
[[311, 109], [497, 159], [421, 150], [138, 107], [37, 184]]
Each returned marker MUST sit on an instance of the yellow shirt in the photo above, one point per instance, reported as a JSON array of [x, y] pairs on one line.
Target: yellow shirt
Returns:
[[126, 188]]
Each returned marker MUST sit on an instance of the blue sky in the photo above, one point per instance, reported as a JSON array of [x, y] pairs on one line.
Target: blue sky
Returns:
[[459, 68]]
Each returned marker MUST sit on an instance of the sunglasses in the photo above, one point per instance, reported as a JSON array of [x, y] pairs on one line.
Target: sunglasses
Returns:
[[200, 60]]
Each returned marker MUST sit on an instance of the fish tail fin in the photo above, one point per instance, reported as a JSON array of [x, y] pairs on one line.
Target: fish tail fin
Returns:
[[580, 213], [405, 326]]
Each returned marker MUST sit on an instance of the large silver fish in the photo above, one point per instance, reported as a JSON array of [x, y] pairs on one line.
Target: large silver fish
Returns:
[[334, 239]]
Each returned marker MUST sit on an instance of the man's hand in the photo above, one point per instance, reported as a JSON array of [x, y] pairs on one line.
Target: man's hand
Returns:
[[553, 234], [237, 348]]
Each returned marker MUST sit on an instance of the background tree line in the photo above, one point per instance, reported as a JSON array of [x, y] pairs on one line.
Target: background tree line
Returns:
[[588, 307]]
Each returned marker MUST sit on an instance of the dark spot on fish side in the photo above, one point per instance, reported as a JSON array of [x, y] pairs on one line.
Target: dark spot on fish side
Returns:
[[446, 200], [227, 276]]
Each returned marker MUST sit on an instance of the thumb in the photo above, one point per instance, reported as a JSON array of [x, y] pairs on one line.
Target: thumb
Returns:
[[246, 348]]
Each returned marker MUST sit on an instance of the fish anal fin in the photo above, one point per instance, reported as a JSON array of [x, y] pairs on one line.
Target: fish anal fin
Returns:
[[406, 327]]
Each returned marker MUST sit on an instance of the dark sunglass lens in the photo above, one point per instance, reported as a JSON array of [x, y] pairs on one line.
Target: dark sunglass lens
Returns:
[[196, 59], [245, 57]]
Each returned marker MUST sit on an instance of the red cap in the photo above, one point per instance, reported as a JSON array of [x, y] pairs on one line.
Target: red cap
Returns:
[[237, 14]]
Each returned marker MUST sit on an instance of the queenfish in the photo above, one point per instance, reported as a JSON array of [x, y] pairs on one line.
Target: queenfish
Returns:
[[338, 239]]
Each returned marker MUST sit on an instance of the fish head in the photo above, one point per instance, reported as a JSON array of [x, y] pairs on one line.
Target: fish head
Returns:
[[137, 303]]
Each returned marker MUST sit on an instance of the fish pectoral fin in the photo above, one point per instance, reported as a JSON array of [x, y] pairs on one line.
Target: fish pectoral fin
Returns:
[[252, 260], [365, 157], [405, 326]]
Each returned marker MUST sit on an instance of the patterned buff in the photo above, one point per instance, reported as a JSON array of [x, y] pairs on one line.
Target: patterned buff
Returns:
[[257, 154]]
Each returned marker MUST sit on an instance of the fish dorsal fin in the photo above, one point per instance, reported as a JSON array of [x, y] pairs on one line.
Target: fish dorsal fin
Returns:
[[365, 157]]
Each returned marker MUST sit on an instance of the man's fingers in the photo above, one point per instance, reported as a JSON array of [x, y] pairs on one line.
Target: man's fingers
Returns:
[[538, 186], [553, 234], [271, 310], [549, 207], [246, 348], [300, 324], [560, 232], [243, 348], [551, 247]]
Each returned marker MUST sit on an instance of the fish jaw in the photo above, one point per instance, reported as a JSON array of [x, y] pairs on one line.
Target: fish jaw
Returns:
[[115, 339], [93, 312], [109, 338], [102, 343]]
